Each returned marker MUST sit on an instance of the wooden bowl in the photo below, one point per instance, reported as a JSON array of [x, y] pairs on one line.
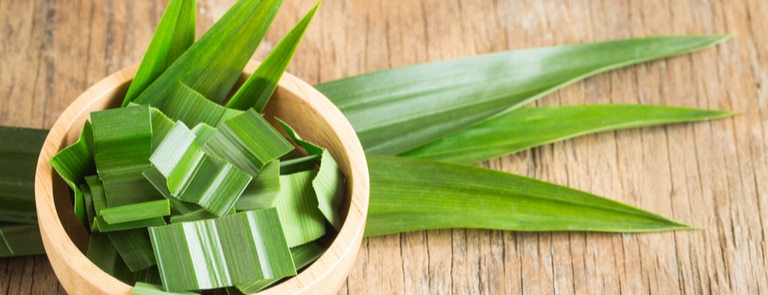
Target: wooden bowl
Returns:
[[313, 116]]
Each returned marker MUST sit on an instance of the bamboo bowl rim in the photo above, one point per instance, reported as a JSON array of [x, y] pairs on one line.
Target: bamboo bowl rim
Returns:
[[78, 275]]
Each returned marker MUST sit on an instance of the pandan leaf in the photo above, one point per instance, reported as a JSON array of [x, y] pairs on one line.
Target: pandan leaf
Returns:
[[394, 111], [20, 239], [413, 194], [302, 255], [299, 164], [212, 65], [142, 288], [310, 148], [134, 248], [263, 189], [221, 252], [103, 254], [258, 88], [530, 127], [18, 159], [296, 204], [103, 227], [96, 189], [75, 162], [329, 189], [122, 146], [174, 34], [136, 211], [194, 176], [247, 141], [189, 106]]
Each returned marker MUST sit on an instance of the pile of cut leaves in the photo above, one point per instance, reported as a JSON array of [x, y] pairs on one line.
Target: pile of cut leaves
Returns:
[[192, 188], [422, 127]]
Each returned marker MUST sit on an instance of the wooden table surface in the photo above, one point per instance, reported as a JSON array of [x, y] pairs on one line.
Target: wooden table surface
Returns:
[[710, 174]]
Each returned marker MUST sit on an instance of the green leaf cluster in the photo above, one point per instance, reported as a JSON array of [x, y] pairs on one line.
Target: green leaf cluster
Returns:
[[209, 206], [422, 127]]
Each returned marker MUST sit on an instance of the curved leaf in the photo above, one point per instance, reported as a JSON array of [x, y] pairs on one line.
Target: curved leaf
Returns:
[[396, 110], [174, 34], [413, 194], [530, 127]]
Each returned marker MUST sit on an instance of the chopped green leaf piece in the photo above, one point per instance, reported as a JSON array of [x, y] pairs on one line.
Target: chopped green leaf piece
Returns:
[[97, 193], [189, 106], [258, 88], [248, 141], [203, 132], [134, 248], [104, 227], [213, 64], [90, 213], [174, 34], [198, 214], [309, 147], [158, 181], [196, 177], [79, 206], [103, 254], [136, 211], [529, 127], [75, 162], [329, 189], [299, 164], [122, 137], [141, 288], [122, 146], [300, 218], [161, 125], [221, 252], [412, 194], [263, 189], [302, 255]]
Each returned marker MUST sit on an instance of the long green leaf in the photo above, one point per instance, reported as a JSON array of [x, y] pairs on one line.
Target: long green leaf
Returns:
[[396, 110], [413, 194], [213, 64], [18, 158], [530, 127], [174, 34], [20, 239], [258, 88]]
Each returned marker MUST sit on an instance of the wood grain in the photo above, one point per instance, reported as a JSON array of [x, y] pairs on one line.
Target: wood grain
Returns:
[[710, 174]]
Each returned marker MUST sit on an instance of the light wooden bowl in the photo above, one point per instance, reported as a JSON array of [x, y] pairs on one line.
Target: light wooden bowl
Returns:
[[295, 102]]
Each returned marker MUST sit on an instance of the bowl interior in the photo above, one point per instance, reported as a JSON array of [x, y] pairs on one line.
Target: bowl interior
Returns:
[[314, 117]]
